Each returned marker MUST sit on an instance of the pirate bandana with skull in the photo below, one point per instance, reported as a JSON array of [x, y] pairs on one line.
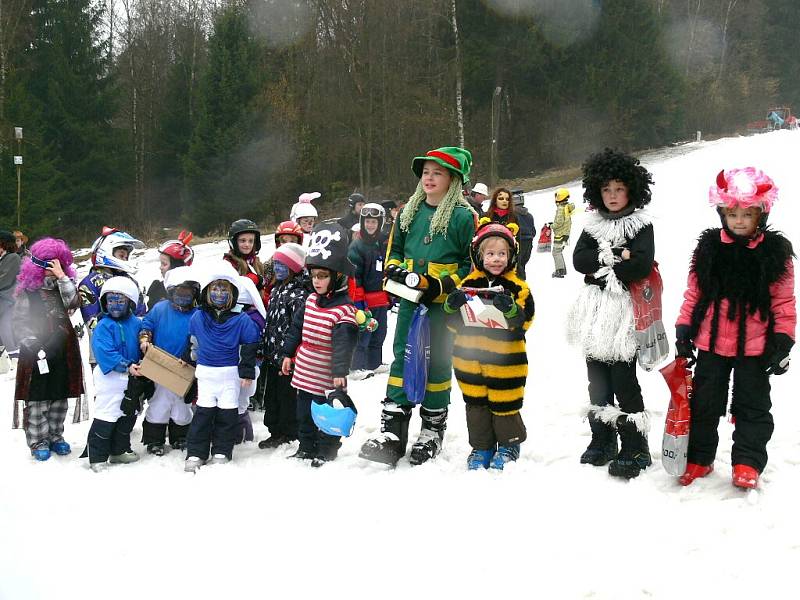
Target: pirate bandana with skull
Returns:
[[328, 249]]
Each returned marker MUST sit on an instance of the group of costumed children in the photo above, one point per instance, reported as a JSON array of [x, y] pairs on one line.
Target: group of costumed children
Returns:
[[316, 313]]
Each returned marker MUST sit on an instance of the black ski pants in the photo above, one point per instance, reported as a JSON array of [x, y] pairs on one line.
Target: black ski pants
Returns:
[[750, 408], [213, 429], [312, 439], [607, 380], [280, 404], [109, 439]]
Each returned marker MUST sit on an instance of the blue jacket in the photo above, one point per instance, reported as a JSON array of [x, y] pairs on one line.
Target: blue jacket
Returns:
[[216, 342], [115, 343], [170, 327]]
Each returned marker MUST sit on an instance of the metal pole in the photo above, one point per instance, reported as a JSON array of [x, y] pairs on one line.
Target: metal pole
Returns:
[[19, 192]]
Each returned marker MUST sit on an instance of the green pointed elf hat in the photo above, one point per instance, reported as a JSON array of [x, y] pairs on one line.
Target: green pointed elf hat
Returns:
[[456, 160]]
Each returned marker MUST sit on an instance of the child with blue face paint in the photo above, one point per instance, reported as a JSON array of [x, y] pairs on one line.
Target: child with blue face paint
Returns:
[[167, 327], [287, 297], [115, 344], [223, 343]]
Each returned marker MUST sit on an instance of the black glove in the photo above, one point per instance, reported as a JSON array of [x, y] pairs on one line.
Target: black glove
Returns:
[[397, 273], [505, 304], [139, 389], [437, 287], [776, 356], [455, 300], [684, 347], [191, 393]]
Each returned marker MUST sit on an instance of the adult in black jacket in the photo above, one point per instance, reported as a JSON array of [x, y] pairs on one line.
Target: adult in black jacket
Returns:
[[527, 232]]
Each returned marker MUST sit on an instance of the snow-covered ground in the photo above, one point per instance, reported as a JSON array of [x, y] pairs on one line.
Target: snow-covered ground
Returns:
[[547, 527]]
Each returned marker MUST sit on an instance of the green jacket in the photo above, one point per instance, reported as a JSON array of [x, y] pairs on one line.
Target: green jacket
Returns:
[[418, 252]]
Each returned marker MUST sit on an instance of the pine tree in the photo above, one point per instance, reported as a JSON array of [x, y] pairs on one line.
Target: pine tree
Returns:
[[64, 101], [221, 183]]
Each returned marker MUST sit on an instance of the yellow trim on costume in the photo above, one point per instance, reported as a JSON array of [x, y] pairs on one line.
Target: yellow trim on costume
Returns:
[[504, 413], [473, 367], [439, 387], [430, 387], [393, 261]]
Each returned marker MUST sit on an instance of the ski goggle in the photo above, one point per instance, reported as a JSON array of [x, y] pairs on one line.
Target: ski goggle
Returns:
[[39, 262], [371, 211]]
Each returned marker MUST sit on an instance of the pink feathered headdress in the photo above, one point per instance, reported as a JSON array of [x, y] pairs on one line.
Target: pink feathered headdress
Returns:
[[743, 187], [31, 276]]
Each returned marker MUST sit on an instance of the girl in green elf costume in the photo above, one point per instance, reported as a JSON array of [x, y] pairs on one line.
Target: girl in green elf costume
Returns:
[[431, 238]]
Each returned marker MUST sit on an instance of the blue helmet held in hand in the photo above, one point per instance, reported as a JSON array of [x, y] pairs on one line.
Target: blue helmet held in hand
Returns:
[[336, 416]]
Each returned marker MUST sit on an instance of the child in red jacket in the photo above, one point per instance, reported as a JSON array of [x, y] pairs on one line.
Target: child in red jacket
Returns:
[[739, 314]]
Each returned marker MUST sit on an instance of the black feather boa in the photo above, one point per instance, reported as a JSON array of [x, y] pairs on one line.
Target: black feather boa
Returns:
[[738, 274]]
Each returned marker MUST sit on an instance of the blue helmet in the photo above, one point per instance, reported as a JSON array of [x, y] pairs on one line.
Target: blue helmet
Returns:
[[337, 416]]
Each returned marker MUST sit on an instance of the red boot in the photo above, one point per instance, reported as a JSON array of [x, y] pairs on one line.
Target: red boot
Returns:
[[745, 476], [694, 471]]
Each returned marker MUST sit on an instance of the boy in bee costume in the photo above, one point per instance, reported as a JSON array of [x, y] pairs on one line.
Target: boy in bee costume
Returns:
[[431, 239]]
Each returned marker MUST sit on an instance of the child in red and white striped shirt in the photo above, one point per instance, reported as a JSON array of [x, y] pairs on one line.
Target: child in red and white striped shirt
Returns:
[[321, 340]]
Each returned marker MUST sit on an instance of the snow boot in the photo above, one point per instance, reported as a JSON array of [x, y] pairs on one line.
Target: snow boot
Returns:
[[274, 441], [153, 434], [60, 447], [125, 458], [745, 476], [693, 472], [302, 455], [192, 464], [219, 459], [479, 459], [431, 436], [156, 449], [634, 456], [504, 454], [559, 273], [41, 454], [390, 446], [177, 435], [603, 447]]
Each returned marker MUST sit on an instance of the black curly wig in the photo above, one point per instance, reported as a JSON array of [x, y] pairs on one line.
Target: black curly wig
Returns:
[[610, 164]]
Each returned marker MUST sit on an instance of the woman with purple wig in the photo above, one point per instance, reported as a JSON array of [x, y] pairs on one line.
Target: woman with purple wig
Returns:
[[49, 369]]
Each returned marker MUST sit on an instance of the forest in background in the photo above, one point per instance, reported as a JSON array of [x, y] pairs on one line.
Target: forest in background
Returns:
[[192, 113]]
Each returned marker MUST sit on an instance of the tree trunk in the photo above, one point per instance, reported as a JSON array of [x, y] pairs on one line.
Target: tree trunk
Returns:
[[731, 6], [459, 108]]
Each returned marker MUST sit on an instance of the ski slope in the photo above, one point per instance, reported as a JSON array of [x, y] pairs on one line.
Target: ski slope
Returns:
[[547, 527]]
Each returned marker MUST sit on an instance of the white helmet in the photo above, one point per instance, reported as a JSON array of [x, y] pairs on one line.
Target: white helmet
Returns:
[[248, 294], [303, 206], [104, 246], [121, 285]]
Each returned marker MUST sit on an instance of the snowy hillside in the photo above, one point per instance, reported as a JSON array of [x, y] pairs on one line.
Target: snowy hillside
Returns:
[[547, 527]]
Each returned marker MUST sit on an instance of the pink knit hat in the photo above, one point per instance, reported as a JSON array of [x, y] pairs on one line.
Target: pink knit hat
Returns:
[[292, 255]]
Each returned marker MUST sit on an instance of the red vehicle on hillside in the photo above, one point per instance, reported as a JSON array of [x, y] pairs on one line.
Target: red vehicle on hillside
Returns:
[[779, 117]]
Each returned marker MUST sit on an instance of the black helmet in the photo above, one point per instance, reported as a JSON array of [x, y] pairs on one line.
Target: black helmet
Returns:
[[328, 249], [355, 198], [243, 226]]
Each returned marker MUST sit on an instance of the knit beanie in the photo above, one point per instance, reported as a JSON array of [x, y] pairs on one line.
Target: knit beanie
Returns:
[[292, 255]]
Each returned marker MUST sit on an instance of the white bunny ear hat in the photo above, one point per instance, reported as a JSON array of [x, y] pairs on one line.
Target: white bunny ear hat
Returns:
[[303, 207]]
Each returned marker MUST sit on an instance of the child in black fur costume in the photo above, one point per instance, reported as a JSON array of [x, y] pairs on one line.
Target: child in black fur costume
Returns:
[[615, 248], [739, 312]]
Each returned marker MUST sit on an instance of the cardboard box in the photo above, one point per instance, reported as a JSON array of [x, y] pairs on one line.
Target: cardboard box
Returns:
[[480, 312], [165, 369]]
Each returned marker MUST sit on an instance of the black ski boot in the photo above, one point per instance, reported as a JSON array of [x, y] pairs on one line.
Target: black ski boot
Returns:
[[177, 435], [603, 447], [634, 455], [429, 442], [390, 446], [154, 434]]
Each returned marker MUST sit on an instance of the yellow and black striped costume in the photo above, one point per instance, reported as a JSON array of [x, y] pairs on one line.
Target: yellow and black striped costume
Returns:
[[491, 365]]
